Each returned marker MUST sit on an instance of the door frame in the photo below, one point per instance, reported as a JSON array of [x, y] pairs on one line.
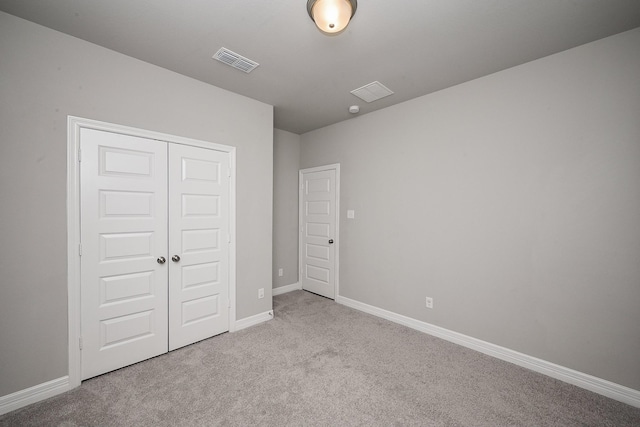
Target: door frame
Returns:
[[74, 125], [336, 167]]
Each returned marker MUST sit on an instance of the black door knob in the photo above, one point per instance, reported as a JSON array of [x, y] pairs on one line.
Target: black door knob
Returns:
[[331, 241]]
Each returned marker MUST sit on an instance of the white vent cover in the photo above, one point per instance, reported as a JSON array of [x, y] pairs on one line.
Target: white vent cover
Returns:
[[372, 92], [234, 60]]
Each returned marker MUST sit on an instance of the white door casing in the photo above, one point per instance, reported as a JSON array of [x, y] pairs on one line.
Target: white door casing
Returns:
[[124, 233], [319, 229], [198, 244]]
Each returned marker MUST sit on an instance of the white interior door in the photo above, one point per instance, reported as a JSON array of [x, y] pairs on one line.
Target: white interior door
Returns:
[[198, 244], [124, 234], [318, 226]]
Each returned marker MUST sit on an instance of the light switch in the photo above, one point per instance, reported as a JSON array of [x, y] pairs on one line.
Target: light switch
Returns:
[[351, 214]]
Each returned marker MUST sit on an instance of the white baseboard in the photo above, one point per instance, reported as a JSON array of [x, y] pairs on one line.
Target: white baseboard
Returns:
[[247, 322], [589, 382], [287, 288], [34, 394]]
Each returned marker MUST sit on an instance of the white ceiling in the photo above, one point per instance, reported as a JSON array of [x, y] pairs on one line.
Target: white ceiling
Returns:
[[414, 47]]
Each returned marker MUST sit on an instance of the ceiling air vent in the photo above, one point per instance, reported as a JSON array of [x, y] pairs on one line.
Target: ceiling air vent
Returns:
[[372, 92], [234, 60]]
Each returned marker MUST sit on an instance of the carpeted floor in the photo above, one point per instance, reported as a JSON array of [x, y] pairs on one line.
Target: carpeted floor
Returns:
[[319, 363]]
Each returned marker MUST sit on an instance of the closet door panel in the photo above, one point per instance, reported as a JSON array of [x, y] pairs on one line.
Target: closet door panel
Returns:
[[123, 233], [198, 244]]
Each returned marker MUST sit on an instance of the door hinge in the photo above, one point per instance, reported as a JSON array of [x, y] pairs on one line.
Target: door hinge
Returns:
[[229, 172], [228, 238], [79, 154], [80, 343], [80, 249]]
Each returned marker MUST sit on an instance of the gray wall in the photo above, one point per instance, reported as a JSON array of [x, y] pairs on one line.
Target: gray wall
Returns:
[[286, 164], [512, 200], [45, 76]]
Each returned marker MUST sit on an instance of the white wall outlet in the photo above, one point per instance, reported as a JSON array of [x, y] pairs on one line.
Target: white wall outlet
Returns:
[[260, 293], [351, 214], [429, 302], [280, 272]]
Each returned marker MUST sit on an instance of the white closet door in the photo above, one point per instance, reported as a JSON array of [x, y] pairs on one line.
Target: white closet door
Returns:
[[198, 244], [124, 234]]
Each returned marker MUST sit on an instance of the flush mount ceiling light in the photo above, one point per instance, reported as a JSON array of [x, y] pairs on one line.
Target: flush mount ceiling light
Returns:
[[331, 16]]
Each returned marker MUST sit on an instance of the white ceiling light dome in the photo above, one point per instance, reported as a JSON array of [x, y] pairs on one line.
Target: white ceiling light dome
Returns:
[[331, 16]]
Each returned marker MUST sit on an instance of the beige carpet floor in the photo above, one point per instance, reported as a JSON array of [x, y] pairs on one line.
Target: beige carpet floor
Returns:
[[318, 363]]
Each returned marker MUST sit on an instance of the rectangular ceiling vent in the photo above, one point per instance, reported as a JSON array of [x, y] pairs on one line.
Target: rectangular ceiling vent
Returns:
[[234, 60], [372, 92]]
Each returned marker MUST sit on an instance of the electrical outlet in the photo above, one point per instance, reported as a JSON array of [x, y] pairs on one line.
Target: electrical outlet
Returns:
[[260, 293], [280, 272], [429, 302]]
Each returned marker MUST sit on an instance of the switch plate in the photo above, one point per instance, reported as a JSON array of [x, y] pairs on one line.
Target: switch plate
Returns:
[[280, 272], [260, 293], [351, 214], [429, 302]]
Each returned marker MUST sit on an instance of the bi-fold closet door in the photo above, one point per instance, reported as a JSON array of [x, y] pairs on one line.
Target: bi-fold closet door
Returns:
[[155, 247]]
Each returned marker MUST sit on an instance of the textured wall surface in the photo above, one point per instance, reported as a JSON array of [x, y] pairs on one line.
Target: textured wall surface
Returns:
[[513, 200], [46, 76], [286, 164]]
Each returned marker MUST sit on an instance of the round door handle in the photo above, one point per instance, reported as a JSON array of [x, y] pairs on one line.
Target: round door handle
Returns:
[[331, 241], [175, 258], [161, 260]]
